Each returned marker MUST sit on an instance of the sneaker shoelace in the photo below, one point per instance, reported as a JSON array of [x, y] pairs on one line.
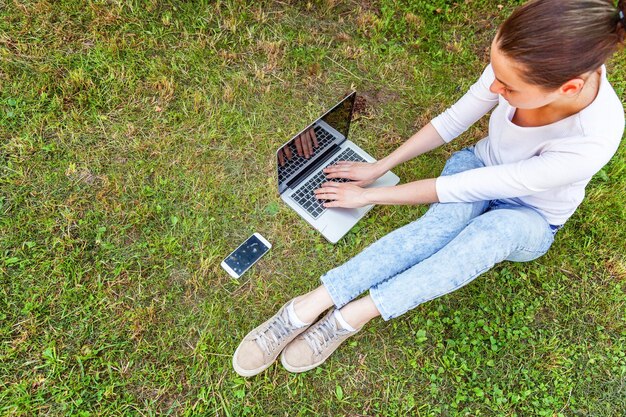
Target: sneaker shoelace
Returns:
[[275, 333], [319, 337]]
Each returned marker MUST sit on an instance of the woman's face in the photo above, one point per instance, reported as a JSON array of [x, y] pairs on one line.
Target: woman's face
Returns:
[[510, 85]]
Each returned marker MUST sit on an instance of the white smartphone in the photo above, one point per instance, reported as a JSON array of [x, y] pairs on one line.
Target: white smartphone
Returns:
[[246, 255]]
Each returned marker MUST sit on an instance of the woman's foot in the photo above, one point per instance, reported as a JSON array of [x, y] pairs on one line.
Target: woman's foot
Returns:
[[313, 347], [260, 348]]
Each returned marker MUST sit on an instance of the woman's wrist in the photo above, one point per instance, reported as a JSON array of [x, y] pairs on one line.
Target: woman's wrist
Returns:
[[367, 196], [381, 167]]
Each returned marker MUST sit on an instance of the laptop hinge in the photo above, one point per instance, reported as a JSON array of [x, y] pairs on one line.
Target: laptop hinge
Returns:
[[295, 181]]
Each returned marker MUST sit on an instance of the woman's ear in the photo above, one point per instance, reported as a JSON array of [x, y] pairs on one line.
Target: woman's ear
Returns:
[[572, 87]]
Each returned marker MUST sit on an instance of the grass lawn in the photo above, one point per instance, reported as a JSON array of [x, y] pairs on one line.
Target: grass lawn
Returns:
[[136, 151]]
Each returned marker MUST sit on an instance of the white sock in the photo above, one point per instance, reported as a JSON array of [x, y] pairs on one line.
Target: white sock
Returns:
[[295, 320], [342, 322]]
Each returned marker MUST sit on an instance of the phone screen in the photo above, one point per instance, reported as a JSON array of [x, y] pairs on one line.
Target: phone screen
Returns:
[[246, 255]]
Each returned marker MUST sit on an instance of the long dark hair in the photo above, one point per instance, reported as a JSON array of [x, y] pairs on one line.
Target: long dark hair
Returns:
[[557, 40]]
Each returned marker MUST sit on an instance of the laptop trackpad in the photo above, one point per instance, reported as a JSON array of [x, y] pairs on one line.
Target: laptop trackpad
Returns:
[[338, 221]]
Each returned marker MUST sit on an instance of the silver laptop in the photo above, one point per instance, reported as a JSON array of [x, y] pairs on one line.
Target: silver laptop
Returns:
[[300, 163]]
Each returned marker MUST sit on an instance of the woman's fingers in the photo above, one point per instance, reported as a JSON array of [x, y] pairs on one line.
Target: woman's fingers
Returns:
[[340, 195], [329, 186], [330, 204], [341, 165], [331, 175], [327, 191], [341, 169]]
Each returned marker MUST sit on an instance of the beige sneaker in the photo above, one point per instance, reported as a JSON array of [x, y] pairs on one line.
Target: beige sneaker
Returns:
[[313, 347], [260, 348]]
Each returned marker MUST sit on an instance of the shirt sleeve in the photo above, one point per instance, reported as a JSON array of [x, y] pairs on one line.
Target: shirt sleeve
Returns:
[[547, 171], [477, 102]]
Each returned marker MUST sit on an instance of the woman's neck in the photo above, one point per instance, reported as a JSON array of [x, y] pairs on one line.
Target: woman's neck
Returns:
[[560, 109]]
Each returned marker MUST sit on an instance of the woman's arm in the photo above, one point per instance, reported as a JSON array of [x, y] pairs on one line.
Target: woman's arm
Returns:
[[576, 159], [352, 196], [426, 139]]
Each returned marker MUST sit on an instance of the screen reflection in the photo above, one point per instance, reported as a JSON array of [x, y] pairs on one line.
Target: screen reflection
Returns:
[[294, 157]]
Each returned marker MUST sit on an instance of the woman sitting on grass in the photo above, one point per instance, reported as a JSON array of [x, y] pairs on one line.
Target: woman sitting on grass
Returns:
[[557, 121]]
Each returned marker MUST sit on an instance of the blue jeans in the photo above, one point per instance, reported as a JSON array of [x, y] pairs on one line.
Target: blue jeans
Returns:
[[449, 246]]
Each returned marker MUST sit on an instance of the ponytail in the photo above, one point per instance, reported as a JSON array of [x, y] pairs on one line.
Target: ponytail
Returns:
[[621, 23]]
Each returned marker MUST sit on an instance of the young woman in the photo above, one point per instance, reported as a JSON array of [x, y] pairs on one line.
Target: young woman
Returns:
[[557, 121]]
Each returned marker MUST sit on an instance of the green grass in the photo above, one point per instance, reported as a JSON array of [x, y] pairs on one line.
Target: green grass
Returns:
[[136, 152]]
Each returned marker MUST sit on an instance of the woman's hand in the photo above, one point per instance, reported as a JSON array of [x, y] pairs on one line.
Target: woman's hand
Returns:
[[361, 173], [344, 194]]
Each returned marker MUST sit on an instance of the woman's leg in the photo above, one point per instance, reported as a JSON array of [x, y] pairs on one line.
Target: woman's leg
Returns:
[[358, 312], [506, 233], [532, 242], [509, 232], [310, 305]]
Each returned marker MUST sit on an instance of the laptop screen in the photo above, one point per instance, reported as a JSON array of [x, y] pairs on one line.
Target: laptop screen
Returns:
[[306, 150]]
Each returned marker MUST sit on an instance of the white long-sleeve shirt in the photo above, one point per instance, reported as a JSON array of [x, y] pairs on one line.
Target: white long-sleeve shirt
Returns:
[[546, 167]]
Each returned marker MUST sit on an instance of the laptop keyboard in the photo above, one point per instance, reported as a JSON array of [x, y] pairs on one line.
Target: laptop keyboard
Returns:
[[324, 138], [305, 195]]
